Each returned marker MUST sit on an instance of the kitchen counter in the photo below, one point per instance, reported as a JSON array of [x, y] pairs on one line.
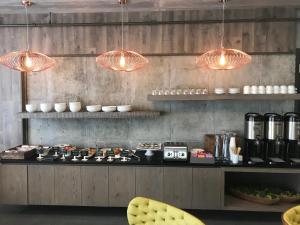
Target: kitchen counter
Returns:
[[104, 184], [155, 160]]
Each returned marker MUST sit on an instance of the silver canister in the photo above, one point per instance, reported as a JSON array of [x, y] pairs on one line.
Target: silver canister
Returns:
[[254, 126], [292, 126], [274, 126]]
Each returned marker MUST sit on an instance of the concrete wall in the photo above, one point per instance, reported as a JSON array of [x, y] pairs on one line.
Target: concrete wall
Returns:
[[81, 79]]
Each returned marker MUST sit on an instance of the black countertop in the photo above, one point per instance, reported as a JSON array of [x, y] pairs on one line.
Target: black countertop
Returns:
[[155, 160]]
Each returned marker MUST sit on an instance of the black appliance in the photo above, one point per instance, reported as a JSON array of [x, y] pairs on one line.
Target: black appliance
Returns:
[[292, 137], [274, 139], [254, 138]]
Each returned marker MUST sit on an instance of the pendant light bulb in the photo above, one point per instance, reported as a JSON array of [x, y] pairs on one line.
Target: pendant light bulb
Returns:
[[222, 59], [122, 61], [28, 61]]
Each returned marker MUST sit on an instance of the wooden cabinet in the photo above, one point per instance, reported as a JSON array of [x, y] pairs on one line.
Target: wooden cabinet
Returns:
[[207, 188], [67, 180], [13, 182], [121, 185], [41, 184], [94, 185], [149, 182], [177, 186]]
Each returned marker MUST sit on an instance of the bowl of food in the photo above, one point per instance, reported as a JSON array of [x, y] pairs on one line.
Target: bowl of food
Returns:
[[46, 107], [124, 108], [31, 108], [109, 108], [60, 107], [93, 108]]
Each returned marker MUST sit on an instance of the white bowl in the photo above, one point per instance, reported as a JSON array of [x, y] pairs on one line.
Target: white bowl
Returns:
[[46, 107], [60, 107], [124, 108], [75, 106], [31, 108], [233, 90], [109, 108], [93, 108], [219, 91]]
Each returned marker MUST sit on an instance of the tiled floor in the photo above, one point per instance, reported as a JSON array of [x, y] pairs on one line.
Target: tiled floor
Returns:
[[33, 215]]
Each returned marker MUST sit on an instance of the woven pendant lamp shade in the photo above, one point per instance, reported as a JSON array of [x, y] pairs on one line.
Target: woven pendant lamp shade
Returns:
[[223, 59], [27, 61], [122, 60]]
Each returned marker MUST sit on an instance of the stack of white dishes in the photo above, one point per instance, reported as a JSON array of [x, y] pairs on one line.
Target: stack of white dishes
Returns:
[[109, 108], [124, 108], [93, 108], [233, 91], [219, 91], [269, 89]]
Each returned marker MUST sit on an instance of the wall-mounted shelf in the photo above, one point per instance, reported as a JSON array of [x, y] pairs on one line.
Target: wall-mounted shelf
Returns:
[[88, 115], [214, 97]]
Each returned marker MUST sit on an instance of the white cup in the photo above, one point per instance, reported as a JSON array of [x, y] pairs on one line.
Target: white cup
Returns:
[[283, 89], [292, 89], [269, 90], [75, 106], [253, 89], [234, 158], [276, 89], [246, 90], [60, 107], [46, 107], [261, 90]]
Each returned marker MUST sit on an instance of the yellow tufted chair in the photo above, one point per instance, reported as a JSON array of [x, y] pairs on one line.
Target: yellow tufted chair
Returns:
[[144, 211], [292, 216]]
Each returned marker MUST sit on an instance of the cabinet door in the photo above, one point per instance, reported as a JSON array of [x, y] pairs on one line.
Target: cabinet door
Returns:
[[94, 185], [40, 185], [207, 188], [67, 180], [149, 182], [121, 185], [177, 187], [13, 184]]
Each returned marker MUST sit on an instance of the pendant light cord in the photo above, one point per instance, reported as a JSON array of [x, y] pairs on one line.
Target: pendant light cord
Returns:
[[122, 7], [223, 24], [27, 28]]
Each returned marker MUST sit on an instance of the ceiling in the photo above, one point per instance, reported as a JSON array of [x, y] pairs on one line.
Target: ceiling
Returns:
[[79, 6]]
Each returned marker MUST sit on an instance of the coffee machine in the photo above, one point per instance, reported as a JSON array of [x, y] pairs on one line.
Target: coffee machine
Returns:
[[292, 137], [254, 139], [274, 139]]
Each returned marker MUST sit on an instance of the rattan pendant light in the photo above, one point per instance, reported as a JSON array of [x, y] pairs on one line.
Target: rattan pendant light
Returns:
[[27, 61], [223, 58], [122, 60]]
